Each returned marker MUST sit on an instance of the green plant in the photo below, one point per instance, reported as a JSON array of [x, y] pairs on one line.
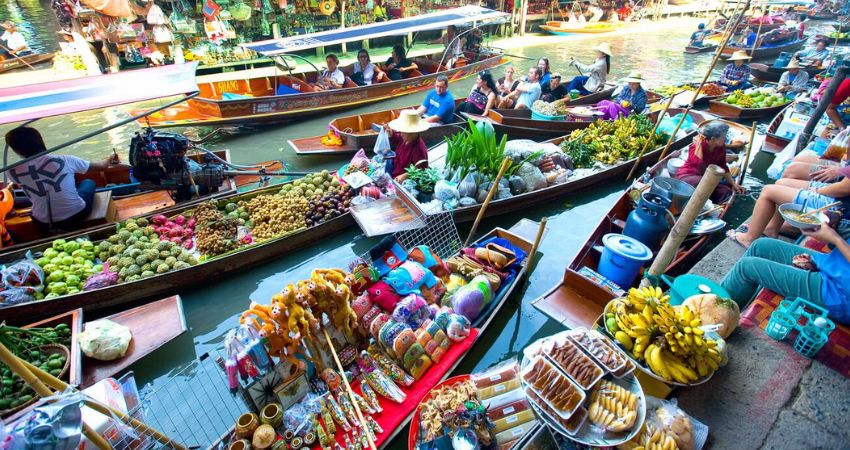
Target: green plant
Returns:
[[425, 179], [475, 148]]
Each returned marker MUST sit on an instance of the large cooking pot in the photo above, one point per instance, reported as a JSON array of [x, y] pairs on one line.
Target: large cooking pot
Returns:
[[677, 191]]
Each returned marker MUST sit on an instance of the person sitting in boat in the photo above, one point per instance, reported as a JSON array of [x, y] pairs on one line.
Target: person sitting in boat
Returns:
[[790, 14], [507, 83], [526, 93], [482, 97], [698, 36], [747, 39], [554, 91], [592, 12], [814, 56], [543, 64], [596, 73], [576, 17], [709, 147], [364, 71], [612, 16], [13, 41], [632, 98], [793, 79], [48, 181], [379, 13], [453, 44], [439, 105], [332, 77], [398, 64], [794, 271], [736, 74], [406, 143]]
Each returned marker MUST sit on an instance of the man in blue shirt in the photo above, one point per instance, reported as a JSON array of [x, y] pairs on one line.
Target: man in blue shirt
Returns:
[[439, 105]]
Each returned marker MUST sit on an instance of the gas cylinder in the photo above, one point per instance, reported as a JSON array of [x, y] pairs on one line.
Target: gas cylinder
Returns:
[[783, 60], [648, 221]]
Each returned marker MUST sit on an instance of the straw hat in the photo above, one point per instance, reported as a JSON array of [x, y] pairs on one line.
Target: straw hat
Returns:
[[739, 55], [793, 64], [634, 77], [409, 122], [604, 48]]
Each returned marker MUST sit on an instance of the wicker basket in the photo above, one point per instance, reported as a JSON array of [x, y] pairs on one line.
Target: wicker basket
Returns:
[[48, 349]]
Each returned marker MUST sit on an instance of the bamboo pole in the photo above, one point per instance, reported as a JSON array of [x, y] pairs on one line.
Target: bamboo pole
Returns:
[[493, 189], [756, 42], [651, 141], [682, 227], [18, 366], [747, 155], [363, 424], [60, 385], [540, 229]]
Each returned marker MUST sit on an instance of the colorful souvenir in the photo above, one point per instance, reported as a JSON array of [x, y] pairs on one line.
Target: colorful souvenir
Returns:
[[458, 328], [369, 396], [472, 298], [383, 295]]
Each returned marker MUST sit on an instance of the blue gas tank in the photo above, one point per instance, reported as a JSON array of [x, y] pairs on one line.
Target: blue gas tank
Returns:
[[648, 221], [783, 60]]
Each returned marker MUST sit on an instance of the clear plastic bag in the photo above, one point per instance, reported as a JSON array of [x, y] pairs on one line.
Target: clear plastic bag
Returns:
[[22, 273], [101, 280], [445, 191], [56, 425], [838, 146], [468, 187], [382, 145], [15, 296]]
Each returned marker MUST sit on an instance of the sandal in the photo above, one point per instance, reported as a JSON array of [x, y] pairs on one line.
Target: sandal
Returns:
[[732, 236], [745, 228]]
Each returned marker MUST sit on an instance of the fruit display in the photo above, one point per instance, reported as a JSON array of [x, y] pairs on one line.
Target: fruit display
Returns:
[[756, 98], [214, 232], [66, 265], [273, 215], [709, 89], [610, 142], [837, 35], [28, 344], [612, 407], [668, 340], [549, 109], [135, 252], [179, 230]]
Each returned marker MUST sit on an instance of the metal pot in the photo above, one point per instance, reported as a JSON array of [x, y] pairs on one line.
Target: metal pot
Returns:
[[677, 191], [674, 164]]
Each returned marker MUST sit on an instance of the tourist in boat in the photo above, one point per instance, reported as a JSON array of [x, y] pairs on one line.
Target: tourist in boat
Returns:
[[364, 71], [576, 17], [439, 105], [526, 93], [814, 56], [736, 74], [592, 12], [794, 271], [543, 64], [332, 77], [698, 36], [554, 91], [612, 16], [48, 182], [595, 74], [14, 42], [507, 83], [632, 98], [481, 98], [793, 79], [453, 44], [709, 147], [406, 143], [747, 39], [398, 64]]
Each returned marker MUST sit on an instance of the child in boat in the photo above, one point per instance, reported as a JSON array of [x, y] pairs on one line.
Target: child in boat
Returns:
[[58, 202], [405, 141]]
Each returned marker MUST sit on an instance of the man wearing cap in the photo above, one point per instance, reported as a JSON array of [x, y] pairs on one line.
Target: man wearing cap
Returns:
[[793, 79], [698, 36], [554, 90], [736, 75], [439, 105], [815, 56], [13, 41]]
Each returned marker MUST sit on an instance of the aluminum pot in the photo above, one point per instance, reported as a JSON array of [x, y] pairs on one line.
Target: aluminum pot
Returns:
[[677, 191]]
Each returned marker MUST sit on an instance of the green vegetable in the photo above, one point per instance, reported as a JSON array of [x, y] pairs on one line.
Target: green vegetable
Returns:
[[58, 244]]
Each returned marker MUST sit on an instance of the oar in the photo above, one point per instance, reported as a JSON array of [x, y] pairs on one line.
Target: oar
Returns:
[[747, 154], [650, 140], [8, 50], [363, 424], [493, 189], [821, 209]]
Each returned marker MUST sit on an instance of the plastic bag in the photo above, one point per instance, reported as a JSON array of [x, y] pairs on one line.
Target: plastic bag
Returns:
[[517, 185], [359, 161], [105, 340], [382, 145], [468, 187], [532, 176], [24, 273], [445, 191], [838, 146], [676, 423], [56, 425], [466, 201], [101, 280], [155, 16], [15, 296]]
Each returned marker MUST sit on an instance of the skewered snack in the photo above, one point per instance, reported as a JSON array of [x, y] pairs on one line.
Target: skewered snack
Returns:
[[575, 363], [556, 389], [600, 350], [613, 407]]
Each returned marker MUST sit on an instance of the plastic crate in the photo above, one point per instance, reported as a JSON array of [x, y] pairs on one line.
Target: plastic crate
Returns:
[[809, 320]]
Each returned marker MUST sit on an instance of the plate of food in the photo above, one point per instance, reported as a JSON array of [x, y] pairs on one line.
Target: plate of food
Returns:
[[802, 218]]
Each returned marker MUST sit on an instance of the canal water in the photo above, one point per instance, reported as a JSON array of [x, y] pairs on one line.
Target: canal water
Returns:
[[214, 307]]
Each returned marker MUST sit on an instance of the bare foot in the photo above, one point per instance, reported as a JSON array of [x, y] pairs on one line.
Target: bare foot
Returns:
[[739, 238]]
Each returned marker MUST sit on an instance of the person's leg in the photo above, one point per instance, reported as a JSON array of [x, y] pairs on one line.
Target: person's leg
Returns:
[[767, 263], [86, 192], [577, 84], [771, 197], [798, 171]]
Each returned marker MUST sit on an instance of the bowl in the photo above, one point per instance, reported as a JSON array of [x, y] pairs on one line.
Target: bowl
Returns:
[[786, 211], [674, 164]]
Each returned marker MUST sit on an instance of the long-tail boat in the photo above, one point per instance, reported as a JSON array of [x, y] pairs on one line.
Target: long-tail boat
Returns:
[[567, 28], [13, 63], [273, 96], [764, 72], [765, 51], [729, 111]]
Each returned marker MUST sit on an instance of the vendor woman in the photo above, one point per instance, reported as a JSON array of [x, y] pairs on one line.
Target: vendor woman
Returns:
[[736, 75], [632, 98], [709, 147], [595, 74], [409, 148]]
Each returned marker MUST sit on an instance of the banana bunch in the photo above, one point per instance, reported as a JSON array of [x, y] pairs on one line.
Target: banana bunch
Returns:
[[331, 139], [670, 341], [651, 438], [612, 407]]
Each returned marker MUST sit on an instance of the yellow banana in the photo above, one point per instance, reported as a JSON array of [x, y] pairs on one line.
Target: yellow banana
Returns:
[[695, 323], [656, 363], [624, 339], [647, 313], [639, 320]]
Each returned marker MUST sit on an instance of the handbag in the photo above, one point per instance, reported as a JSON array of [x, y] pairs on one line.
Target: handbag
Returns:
[[497, 256], [240, 11]]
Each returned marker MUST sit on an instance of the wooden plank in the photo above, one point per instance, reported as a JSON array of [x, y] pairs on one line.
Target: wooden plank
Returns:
[[152, 326], [138, 205], [73, 319]]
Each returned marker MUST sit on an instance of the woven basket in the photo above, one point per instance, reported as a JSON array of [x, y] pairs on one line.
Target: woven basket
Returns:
[[48, 349]]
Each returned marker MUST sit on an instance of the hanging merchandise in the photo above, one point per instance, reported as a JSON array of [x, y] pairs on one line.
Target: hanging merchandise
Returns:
[[114, 8], [162, 35], [211, 10], [327, 7], [155, 15], [229, 31], [267, 7], [265, 27], [214, 30], [240, 11]]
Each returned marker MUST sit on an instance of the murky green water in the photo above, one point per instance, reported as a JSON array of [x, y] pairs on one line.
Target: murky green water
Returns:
[[214, 308]]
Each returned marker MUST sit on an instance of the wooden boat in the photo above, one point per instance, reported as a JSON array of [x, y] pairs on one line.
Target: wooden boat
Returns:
[[692, 49], [743, 26], [567, 28], [577, 301], [727, 111], [685, 97], [152, 326], [823, 16], [773, 143], [764, 72], [768, 52], [519, 124], [358, 131], [21, 62]]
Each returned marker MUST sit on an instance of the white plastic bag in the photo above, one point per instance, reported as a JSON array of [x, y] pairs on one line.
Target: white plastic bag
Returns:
[[105, 340], [382, 145], [156, 16], [780, 159]]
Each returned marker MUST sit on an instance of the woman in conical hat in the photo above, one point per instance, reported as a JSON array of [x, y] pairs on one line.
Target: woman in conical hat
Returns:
[[594, 75], [409, 148]]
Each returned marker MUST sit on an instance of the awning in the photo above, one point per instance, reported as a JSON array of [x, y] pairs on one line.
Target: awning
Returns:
[[432, 21], [35, 101]]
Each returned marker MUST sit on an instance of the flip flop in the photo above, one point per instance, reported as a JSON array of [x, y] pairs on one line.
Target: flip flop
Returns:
[[731, 235], [745, 228]]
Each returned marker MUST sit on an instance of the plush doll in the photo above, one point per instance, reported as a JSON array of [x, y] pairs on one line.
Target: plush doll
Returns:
[[423, 255], [409, 277], [387, 255], [412, 310], [383, 295]]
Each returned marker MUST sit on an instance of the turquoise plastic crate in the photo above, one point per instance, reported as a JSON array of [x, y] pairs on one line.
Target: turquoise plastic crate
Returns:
[[801, 315], [539, 116]]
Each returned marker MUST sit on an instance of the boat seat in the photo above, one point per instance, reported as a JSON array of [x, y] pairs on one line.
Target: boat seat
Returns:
[[348, 83], [102, 211]]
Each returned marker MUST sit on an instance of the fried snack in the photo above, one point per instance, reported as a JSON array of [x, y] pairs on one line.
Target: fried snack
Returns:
[[600, 350], [575, 363], [554, 415], [574, 423], [613, 407], [438, 412], [554, 387]]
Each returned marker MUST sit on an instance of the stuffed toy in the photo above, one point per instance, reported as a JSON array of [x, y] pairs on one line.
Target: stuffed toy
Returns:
[[387, 255], [409, 277], [472, 298], [412, 310], [383, 295], [423, 255]]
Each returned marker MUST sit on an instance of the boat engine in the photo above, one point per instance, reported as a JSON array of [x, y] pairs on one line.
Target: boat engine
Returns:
[[159, 158]]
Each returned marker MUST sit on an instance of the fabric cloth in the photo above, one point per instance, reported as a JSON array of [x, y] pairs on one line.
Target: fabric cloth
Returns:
[[720, 194], [767, 263], [814, 54], [597, 74], [812, 199], [734, 73], [612, 110], [797, 82], [442, 106], [51, 178], [841, 93], [15, 40], [544, 81], [531, 94], [695, 165], [595, 13], [474, 104], [550, 95], [697, 37], [86, 191], [337, 76], [637, 99], [577, 84], [835, 291], [737, 87], [407, 153], [368, 72]]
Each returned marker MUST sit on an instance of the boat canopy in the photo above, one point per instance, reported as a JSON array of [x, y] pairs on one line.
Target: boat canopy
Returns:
[[788, 3], [432, 21], [34, 101]]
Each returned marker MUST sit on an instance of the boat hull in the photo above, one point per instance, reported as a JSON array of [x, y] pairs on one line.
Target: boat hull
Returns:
[[764, 72], [773, 143], [727, 111], [20, 63], [565, 29], [768, 52], [694, 50]]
